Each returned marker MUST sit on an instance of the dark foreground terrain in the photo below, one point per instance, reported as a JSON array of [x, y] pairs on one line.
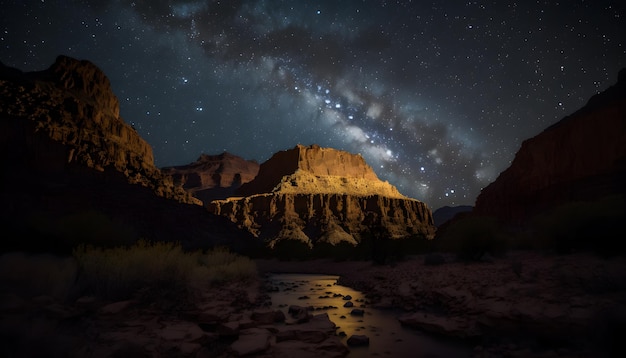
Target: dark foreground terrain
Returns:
[[524, 304]]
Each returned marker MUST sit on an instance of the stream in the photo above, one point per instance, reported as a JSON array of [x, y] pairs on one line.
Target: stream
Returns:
[[387, 337]]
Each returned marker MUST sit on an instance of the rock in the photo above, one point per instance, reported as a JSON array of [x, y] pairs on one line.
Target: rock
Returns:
[[329, 348], [268, 317], [116, 307], [358, 340], [182, 331], [445, 213], [332, 194], [448, 326], [72, 103], [63, 137], [579, 158], [316, 337], [213, 177], [299, 313], [348, 304], [251, 341], [228, 329], [357, 312]]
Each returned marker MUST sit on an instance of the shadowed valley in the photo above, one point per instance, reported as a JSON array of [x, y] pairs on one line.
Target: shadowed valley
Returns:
[[105, 254]]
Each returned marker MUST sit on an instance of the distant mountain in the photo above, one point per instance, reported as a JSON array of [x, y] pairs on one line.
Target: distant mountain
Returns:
[[74, 170], [581, 158], [323, 195], [445, 213], [214, 177]]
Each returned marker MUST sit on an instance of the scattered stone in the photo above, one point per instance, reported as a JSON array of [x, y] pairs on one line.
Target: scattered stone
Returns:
[[268, 317], [182, 331], [358, 340], [116, 307], [299, 313], [251, 341], [357, 312]]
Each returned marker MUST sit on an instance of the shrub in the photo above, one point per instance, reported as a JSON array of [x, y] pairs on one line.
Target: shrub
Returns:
[[582, 225], [118, 272], [472, 237], [341, 251], [292, 249]]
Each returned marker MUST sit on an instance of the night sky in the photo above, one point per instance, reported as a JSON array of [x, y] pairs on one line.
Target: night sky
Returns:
[[436, 95]]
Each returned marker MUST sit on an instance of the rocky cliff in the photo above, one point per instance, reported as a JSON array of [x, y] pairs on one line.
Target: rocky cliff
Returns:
[[580, 158], [68, 117], [316, 195], [74, 170], [214, 177]]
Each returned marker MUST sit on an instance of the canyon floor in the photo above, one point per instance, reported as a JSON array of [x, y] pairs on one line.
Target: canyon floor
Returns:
[[524, 304]]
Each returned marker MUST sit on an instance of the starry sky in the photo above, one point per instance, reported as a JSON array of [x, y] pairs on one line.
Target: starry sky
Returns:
[[437, 96]]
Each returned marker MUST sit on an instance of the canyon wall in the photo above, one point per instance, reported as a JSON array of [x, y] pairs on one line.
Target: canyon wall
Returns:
[[313, 195], [580, 158]]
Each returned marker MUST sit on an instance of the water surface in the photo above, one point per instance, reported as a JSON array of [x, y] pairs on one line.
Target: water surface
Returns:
[[388, 338]]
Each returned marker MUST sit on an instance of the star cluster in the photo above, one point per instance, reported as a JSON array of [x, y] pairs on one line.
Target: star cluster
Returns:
[[436, 95]]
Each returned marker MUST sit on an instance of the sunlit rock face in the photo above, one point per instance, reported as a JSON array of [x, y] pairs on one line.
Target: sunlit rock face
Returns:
[[315, 194], [214, 177], [582, 157], [68, 117]]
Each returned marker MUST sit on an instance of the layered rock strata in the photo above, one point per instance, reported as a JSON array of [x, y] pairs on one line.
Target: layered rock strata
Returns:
[[214, 177], [582, 157], [315, 194]]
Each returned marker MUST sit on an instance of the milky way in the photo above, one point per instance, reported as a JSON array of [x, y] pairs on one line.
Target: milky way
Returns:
[[436, 95]]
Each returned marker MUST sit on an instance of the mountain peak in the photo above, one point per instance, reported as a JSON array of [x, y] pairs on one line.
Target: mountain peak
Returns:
[[313, 169]]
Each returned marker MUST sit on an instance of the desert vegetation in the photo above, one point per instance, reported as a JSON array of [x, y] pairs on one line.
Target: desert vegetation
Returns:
[[118, 272], [581, 226]]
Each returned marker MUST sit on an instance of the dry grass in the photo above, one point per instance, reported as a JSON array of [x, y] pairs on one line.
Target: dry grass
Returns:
[[121, 271]]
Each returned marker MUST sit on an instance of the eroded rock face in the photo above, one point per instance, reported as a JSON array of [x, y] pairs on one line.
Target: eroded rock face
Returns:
[[68, 117], [214, 177], [74, 171], [315, 194], [579, 158]]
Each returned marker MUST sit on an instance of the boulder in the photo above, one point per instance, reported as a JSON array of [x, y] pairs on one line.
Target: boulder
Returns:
[[358, 340], [251, 341]]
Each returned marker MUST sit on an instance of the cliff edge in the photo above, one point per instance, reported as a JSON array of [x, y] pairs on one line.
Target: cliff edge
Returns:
[[323, 195]]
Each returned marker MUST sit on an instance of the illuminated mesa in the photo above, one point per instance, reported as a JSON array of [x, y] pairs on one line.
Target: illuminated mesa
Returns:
[[323, 196]]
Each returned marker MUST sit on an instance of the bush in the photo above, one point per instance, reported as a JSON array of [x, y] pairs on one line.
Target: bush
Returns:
[[472, 237], [341, 251], [292, 249], [117, 273], [583, 225]]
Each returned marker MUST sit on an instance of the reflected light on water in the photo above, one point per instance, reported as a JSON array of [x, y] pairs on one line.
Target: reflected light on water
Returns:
[[388, 338]]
